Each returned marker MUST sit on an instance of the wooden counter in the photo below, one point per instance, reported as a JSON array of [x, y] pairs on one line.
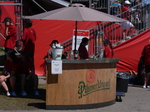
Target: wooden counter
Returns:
[[83, 84]]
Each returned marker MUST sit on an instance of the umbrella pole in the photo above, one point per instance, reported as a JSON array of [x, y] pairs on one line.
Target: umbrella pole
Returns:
[[75, 39], [76, 28]]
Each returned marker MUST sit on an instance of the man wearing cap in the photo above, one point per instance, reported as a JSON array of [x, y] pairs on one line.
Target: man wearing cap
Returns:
[[28, 38], [126, 24], [9, 34], [125, 10]]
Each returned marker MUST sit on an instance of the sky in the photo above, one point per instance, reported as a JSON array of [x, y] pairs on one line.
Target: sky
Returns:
[[147, 1]]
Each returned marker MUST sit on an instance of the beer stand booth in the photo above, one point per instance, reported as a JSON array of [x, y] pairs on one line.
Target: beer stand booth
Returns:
[[83, 84]]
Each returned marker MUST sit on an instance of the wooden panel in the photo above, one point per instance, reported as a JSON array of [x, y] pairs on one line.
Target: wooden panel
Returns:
[[98, 83]]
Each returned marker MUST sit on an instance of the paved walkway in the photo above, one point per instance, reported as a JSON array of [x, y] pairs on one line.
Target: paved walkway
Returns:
[[137, 99], [42, 79]]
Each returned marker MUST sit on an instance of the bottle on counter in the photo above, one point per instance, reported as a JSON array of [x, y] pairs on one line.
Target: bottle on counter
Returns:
[[101, 55], [71, 54], [75, 54]]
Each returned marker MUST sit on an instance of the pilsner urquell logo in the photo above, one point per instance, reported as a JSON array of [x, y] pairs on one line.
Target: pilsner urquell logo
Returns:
[[85, 89], [90, 76]]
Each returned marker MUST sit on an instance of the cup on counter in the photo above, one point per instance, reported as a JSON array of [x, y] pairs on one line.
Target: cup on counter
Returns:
[[57, 53]]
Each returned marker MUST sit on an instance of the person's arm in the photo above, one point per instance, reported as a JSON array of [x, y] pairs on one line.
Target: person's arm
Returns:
[[7, 76], [13, 29], [34, 33], [6, 32], [120, 10], [4, 78]]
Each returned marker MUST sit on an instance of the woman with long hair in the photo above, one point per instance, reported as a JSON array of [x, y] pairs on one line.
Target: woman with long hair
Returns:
[[108, 49]]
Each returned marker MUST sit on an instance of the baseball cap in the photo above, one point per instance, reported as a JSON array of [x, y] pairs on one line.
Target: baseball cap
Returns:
[[27, 21], [54, 42], [127, 2], [106, 41], [7, 19]]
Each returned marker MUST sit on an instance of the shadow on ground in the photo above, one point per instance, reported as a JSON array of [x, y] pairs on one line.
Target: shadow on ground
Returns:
[[38, 105], [41, 97]]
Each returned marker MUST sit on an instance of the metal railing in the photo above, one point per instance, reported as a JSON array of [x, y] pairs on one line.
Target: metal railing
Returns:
[[100, 4]]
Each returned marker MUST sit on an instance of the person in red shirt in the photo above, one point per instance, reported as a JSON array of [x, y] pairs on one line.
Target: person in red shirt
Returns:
[[9, 34], [108, 50], [83, 53], [127, 24], [126, 11], [146, 57], [28, 38]]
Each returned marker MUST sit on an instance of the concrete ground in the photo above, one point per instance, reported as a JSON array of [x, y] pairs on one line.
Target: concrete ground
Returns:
[[137, 99], [42, 79]]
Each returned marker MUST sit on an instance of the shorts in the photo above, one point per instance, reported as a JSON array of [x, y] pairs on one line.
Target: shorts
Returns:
[[126, 25], [147, 68]]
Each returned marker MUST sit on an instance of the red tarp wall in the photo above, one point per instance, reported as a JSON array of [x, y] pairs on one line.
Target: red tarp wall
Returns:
[[50, 30], [130, 51]]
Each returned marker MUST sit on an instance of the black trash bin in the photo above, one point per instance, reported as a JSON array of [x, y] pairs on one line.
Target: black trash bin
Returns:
[[122, 82]]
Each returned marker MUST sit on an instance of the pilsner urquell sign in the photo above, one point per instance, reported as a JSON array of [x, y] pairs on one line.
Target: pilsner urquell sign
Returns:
[[85, 89]]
